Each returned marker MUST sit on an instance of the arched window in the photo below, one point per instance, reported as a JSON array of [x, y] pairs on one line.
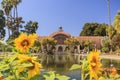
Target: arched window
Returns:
[[60, 38]]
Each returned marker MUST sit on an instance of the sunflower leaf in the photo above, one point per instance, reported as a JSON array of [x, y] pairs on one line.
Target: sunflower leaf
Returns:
[[50, 76], [13, 58], [26, 65], [3, 66], [62, 77], [75, 66]]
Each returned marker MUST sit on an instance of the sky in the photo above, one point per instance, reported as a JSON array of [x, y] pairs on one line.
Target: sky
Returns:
[[70, 14]]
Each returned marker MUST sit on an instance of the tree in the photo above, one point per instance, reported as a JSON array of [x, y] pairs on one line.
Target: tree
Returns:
[[13, 22], [116, 40], [100, 30], [88, 29], [117, 22], [31, 27], [2, 24], [106, 44], [48, 45], [15, 3], [15, 15], [94, 29], [87, 44], [37, 46], [7, 7], [110, 31], [71, 42]]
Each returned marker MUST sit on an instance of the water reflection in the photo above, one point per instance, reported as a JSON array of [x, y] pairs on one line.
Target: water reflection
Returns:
[[59, 63], [62, 63]]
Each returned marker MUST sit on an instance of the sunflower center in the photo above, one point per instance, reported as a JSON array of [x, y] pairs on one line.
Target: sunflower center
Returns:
[[32, 67], [25, 42], [93, 63]]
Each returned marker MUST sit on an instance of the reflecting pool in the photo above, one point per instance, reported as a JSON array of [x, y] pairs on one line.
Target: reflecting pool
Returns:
[[62, 63]]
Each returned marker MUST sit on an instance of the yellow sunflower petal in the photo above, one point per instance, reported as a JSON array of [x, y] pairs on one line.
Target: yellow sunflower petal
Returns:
[[33, 70], [94, 64], [23, 43]]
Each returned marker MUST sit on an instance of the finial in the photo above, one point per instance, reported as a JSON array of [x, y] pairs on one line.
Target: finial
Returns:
[[60, 28]]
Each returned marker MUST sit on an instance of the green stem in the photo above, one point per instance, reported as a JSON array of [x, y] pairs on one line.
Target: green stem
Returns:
[[13, 72], [82, 75]]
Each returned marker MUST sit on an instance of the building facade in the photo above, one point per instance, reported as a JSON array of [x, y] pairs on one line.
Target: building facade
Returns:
[[60, 36]]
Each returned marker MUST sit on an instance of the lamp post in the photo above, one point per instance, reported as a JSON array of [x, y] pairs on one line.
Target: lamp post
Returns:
[[109, 21], [109, 16]]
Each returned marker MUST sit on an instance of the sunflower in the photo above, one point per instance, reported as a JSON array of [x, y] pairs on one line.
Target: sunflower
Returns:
[[94, 64], [23, 43], [32, 70]]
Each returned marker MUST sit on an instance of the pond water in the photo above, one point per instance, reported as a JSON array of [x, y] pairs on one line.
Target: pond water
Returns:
[[62, 63]]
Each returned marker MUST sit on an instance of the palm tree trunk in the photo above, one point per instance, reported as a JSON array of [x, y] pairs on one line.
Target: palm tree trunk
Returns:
[[17, 19], [8, 27]]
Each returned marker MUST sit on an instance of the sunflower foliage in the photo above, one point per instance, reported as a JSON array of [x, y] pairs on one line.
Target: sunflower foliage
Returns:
[[83, 68], [53, 76], [8, 68], [91, 68], [20, 65]]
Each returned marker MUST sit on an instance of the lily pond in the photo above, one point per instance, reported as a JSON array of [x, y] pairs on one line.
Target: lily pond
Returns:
[[62, 63]]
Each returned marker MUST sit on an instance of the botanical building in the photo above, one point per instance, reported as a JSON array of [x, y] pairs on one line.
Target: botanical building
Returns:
[[60, 36]]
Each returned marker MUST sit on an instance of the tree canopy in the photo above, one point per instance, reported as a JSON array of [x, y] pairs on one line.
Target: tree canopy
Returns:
[[94, 29], [117, 22], [31, 27], [10, 19]]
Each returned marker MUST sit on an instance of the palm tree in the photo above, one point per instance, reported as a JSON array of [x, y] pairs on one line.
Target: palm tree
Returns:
[[13, 22], [2, 25], [15, 15], [88, 43], [31, 27], [15, 3], [7, 7], [37, 46], [71, 42], [48, 44]]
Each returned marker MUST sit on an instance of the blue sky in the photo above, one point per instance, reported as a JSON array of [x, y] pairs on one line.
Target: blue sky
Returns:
[[70, 14]]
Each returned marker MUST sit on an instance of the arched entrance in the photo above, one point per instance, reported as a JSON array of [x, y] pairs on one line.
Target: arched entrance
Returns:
[[75, 49], [60, 49]]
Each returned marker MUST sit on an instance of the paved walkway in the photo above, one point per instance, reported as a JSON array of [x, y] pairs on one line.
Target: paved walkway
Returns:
[[104, 56], [115, 57]]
